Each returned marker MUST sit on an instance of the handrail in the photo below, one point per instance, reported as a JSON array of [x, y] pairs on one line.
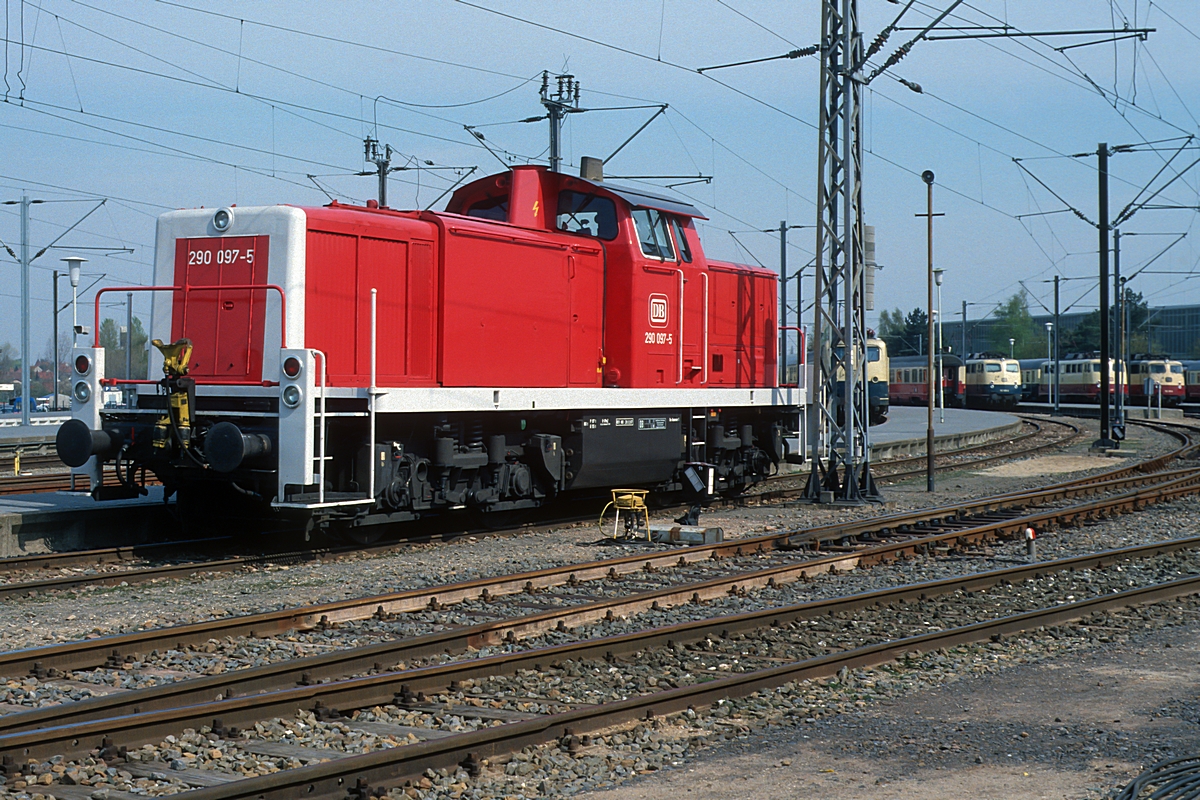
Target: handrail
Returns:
[[189, 288], [198, 381], [682, 281], [372, 391], [799, 354], [707, 314], [321, 439]]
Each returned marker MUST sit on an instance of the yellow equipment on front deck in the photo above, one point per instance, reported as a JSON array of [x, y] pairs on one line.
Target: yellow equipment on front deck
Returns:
[[181, 394]]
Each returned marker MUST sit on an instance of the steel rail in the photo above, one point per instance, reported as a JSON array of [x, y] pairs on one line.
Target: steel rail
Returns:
[[456, 640], [333, 779], [73, 738], [112, 555], [101, 651], [977, 462], [795, 476]]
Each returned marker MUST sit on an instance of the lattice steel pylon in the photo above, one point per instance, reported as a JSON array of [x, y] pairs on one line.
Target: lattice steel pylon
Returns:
[[838, 418]]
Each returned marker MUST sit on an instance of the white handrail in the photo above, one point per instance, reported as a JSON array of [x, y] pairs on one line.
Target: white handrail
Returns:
[[706, 314], [371, 403], [680, 342], [321, 437]]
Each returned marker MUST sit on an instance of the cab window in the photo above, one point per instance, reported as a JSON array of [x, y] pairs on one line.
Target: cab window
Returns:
[[873, 353], [685, 250], [493, 208], [992, 367], [588, 214], [1012, 367], [652, 234], [1176, 369], [1158, 369]]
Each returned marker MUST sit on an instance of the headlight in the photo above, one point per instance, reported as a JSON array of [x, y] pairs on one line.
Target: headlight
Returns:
[[82, 393], [222, 219], [291, 366], [991, 386], [291, 396], [82, 364]]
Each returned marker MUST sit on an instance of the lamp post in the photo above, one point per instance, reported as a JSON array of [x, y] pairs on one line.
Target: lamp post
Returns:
[[938, 274], [927, 176], [1011, 343], [73, 266], [1049, 359]]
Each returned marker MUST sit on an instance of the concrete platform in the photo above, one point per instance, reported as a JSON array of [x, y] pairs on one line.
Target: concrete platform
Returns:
[[1092, 411], [53, 521], [38, 437], [904, 431]]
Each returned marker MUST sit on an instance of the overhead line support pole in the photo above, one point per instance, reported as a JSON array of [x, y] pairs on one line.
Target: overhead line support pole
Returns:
[[1057, 366], [1105, 441], [783, 293], [26, 353], [838, 419], [927, 176]]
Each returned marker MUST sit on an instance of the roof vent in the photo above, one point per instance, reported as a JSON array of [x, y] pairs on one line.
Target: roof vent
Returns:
[[591, 169]]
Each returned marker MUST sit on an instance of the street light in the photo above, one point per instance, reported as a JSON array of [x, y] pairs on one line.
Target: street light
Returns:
[[73, 266], [1049, 358], [938, 274], [1011, 342], [927, 177]]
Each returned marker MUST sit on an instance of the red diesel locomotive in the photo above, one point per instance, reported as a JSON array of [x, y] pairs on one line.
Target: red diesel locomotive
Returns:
[[544, 335]]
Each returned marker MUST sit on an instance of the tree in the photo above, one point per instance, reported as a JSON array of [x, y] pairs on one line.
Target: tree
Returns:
[[1085, 337], [1013, 321], [891, 330], [916, 330], [114, 349], [904, 334]]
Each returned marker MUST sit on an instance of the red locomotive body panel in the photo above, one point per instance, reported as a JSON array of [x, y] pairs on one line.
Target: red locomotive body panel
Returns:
[[742, 349], [519, 308], [349, 252]]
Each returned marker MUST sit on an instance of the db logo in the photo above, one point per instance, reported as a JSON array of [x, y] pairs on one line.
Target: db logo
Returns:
[[658, 310]]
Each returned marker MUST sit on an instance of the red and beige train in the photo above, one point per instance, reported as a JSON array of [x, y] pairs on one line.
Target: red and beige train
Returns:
[[348, 365]]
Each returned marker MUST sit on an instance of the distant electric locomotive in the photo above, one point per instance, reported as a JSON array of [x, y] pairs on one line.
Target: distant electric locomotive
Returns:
[[350, 365]]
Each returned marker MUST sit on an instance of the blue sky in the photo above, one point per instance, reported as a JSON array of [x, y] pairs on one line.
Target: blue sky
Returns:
[[161, 105]]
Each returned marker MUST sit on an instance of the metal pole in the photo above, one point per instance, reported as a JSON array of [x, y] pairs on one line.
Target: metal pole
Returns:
[[941, 381], [929, 482], [963, 353], [383, 165], [128, 335], [1104, 441], [54, 300], [1120, 305], [1057, 336], [849, 339], [1123, 343], [26, 364], [783, 301]]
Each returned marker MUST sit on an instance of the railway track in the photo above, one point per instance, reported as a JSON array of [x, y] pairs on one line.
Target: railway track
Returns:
[[126, 557], [337, 681], [886, 470], [836, 534], [459, 688], [854, 544]]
